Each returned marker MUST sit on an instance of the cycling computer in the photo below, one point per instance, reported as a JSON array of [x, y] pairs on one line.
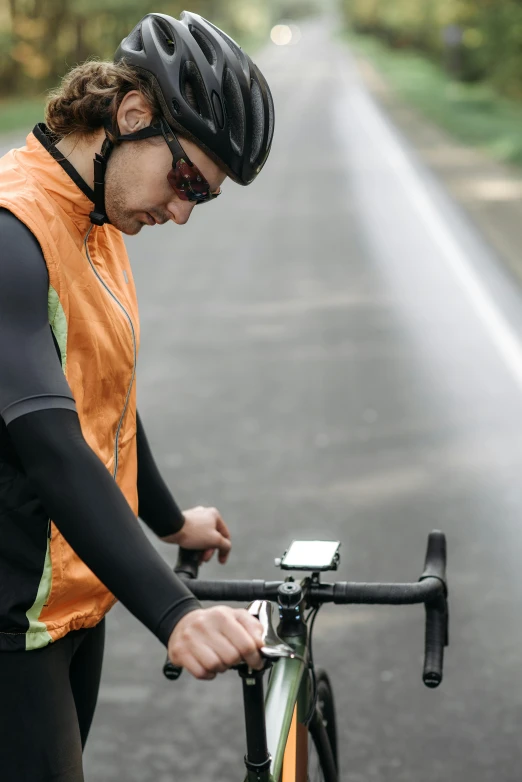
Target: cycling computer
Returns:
[[311, 555]]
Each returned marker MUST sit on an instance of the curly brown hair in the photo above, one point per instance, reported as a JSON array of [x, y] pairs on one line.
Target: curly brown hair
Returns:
[[91, 93]]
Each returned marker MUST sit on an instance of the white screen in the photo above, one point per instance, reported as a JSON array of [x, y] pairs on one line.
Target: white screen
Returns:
[[310, 553]]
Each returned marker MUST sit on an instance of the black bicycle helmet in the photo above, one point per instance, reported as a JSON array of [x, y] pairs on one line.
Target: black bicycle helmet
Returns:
[[207, 87]]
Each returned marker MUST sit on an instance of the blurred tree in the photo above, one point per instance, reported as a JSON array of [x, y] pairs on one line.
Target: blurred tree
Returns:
[[41, 39], [491, 46], [297, 9]]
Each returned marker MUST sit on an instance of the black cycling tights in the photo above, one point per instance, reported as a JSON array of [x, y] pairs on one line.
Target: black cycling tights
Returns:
[[47, 702]]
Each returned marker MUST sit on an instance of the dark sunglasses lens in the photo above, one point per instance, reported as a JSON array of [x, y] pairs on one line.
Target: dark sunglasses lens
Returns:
[[188, 183]]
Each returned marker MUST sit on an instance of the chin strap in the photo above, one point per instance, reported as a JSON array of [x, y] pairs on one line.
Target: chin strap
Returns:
[[98, 216]]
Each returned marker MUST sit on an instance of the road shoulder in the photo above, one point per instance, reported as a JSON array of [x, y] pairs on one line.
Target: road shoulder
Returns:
[[489, 192]]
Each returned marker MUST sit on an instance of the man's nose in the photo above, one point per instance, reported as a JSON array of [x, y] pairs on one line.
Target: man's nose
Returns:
[[180, 210]]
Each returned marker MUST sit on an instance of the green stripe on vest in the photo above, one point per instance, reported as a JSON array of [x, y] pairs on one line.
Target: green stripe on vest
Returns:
[[37, 636], [58, 323]]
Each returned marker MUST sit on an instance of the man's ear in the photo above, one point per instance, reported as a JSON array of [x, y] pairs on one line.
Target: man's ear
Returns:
[[134, 113]]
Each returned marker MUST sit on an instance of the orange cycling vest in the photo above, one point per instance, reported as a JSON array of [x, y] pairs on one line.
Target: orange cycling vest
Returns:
[[93, 314]]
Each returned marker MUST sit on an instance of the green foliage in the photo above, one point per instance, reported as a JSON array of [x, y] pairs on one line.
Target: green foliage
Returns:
[[297, 9], [491, 47], [41, 39], [24, 113], [473, 113]]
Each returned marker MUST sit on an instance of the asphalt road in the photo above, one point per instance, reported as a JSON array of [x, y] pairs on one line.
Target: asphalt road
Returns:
[[334, 352]]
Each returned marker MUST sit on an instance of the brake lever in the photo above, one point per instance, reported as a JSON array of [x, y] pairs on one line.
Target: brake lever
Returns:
[[273, 646]]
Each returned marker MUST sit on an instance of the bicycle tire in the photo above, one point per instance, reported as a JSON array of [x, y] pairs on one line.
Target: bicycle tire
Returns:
[[323, 730]]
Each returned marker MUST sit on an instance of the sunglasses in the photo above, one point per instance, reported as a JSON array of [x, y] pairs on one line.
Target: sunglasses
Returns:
[[184, 177]]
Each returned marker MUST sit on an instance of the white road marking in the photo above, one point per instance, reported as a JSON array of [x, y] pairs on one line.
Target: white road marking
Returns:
[[496, 325]]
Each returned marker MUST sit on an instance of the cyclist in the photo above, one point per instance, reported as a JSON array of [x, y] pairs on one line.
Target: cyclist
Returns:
[[181, 108]]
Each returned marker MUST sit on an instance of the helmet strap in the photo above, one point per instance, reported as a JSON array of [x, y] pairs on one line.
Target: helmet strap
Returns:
[[98, 216]]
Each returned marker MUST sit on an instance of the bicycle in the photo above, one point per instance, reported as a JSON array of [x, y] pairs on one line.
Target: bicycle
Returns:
[[299, 702]]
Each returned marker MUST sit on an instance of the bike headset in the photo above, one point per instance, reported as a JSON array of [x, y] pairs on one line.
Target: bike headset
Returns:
[[209, 90]]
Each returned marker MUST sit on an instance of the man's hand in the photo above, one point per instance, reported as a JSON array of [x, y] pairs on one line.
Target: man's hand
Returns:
[[203, 529], [210, 640]]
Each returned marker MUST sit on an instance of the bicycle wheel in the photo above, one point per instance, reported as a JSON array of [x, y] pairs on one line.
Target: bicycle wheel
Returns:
[[311, 754], [322, 750]]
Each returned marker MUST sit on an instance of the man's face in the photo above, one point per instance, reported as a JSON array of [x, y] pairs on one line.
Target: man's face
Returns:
[[137, 191]]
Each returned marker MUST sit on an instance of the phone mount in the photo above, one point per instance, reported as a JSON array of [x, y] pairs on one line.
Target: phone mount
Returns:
[[310, 555]]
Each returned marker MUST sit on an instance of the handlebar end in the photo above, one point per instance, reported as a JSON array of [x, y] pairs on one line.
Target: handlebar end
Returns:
[[172, 672], [432, 679]]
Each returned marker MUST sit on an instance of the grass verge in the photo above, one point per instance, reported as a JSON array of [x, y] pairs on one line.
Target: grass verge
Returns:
[[20, 114], [473, 113]]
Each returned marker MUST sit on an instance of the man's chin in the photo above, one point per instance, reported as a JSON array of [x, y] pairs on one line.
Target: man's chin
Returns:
[[132, 231], [130, 226]]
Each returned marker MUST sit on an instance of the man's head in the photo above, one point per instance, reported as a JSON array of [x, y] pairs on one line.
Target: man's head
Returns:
[[137, 190], [185, 80]]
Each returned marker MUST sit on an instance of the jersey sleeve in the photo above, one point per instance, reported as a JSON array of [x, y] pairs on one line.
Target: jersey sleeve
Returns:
[[156, 505], [30, 368]]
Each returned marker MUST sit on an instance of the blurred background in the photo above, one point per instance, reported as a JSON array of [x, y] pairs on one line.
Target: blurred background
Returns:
[[477, 41], [40, 39], [334, 352]]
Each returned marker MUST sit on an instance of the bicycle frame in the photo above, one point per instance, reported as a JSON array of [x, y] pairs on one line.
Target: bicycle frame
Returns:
[[282, 717]]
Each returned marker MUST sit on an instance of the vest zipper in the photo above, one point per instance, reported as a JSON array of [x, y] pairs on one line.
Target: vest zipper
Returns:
[[120, 305]]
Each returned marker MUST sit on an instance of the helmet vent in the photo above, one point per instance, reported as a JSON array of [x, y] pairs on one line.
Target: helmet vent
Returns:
[[205, 45], [194, 92], [233, 45], [218, 110], [258, 120], [190, 97], [164, 36], [234, 110], [134, 40]]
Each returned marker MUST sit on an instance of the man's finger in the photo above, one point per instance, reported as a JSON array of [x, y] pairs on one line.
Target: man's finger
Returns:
[[222, 527], [210, 660], [249, 647], [224, 545], [250, 623]]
